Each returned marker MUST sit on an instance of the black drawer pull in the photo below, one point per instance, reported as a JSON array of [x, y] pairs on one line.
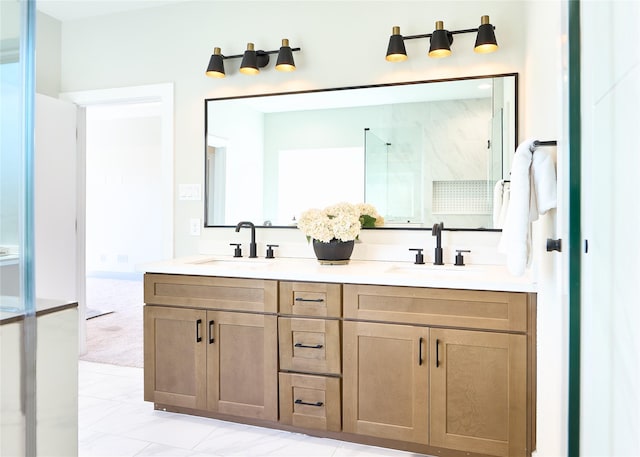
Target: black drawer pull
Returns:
[[198, 337], [309, 346], [314, 300], [300, 402], [420, 351], [211, 338], [437, 353]]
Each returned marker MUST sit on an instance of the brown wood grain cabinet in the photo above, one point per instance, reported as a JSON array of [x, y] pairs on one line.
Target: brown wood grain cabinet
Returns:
[[460, 377], [242, 364], [478, 395], [386, 381], [224, 361], [310, 347], [175, 357], [437, 371]]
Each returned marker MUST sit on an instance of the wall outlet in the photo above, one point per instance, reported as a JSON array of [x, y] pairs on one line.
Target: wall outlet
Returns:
[[194, 227]]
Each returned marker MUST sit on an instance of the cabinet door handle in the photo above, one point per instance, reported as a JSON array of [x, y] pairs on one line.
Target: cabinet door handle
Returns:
[[309, 346], [211, 338], [300, 402], [198, 336], [420, 351], [314, 300], [437, 353]]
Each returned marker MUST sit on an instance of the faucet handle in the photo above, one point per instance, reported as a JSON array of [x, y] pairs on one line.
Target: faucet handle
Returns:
[[419, 256], [459, 257], [270, 251], [237, 252]]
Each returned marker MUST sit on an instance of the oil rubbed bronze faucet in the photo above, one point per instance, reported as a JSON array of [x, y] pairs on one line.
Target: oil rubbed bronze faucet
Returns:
[[252, 246], [437, 232]]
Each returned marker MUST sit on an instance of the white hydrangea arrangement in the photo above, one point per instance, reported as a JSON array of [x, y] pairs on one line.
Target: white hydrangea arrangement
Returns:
[[342, 221]]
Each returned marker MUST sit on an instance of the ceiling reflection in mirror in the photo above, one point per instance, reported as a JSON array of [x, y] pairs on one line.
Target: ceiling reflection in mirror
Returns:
[[420, 152]]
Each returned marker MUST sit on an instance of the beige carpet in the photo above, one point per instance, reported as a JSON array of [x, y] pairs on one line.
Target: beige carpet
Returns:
[[115, 338]]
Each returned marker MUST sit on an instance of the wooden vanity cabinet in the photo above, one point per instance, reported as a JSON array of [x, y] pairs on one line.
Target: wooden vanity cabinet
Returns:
[[386, 381], [199, 357], [309, 333], [447, 368], [478, 383], [436, 371], [175, 360]]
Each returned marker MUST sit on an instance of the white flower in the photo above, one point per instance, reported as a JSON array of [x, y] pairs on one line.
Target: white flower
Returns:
[[341, 221]]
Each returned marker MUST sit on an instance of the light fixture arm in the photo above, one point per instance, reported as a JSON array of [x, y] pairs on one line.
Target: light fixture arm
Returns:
[[449, 32], [258, 52]]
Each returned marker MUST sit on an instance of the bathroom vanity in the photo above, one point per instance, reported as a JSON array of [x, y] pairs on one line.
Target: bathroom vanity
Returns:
[[437, 361]]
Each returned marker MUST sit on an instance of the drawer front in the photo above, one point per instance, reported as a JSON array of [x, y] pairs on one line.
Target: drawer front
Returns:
[[309, 345], [310, 401], [440, 307], [311, 299], [209, 292]]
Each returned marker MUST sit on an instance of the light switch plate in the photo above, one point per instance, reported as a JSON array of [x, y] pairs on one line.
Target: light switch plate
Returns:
[[189, 192]]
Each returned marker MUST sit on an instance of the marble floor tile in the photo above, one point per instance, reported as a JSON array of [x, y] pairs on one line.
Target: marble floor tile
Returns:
[[106, 445], [115, 421]]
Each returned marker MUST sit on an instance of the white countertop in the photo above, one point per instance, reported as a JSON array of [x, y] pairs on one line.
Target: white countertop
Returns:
[[471, 277]]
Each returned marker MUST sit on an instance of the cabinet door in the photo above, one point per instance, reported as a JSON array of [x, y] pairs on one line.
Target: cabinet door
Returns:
[[242, 364], [175, 356], [478, 391], [385, 381]]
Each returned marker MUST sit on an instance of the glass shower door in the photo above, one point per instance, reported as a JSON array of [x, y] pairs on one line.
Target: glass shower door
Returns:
[[17, 288]]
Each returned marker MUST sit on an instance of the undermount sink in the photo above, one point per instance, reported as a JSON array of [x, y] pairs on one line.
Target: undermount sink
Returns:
[[242, 263], [430, 269]]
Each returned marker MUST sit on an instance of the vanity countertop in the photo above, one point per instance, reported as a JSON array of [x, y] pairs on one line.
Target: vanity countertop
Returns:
[[471, 277]]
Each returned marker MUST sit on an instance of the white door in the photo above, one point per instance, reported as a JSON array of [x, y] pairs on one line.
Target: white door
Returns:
[[55, 199]]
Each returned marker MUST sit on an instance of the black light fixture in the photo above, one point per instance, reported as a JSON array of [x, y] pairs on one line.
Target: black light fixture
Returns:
[[216, 64], [285, 57], [441, 40], [486, 39], [396, 52], [252, 60]]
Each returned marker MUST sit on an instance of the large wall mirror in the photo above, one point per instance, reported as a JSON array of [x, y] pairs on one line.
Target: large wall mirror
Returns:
[[420, 152]]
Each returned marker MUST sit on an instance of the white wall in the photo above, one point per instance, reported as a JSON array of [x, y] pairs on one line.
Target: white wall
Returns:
[[343, 44], [48, 51], [123, 186], [543, 107]]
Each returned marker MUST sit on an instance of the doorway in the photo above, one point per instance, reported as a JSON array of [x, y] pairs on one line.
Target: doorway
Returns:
[[126, 211]]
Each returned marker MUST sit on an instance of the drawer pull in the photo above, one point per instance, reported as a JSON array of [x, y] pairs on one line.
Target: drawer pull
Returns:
[[309, 346], [420, 351], [198, 336], [300, 402], [211, 338], [437, 353], [314, 300]]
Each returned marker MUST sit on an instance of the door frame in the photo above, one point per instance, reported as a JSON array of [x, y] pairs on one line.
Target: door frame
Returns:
[[154, 93]]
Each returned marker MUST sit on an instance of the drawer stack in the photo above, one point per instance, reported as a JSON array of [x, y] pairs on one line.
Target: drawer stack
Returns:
[[309, 336]]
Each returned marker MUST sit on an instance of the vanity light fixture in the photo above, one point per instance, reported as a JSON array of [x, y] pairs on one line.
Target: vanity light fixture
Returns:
[[252, 60], [441, 40]]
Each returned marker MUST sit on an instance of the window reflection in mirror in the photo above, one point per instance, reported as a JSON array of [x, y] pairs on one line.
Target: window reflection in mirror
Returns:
[[420, 152]]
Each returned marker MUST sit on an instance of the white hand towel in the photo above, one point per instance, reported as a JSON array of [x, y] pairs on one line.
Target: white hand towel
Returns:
[[515, 241], [544, 180], [498, 191]]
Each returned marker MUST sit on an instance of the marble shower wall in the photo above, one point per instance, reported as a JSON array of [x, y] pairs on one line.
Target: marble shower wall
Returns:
[[447, 171]]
